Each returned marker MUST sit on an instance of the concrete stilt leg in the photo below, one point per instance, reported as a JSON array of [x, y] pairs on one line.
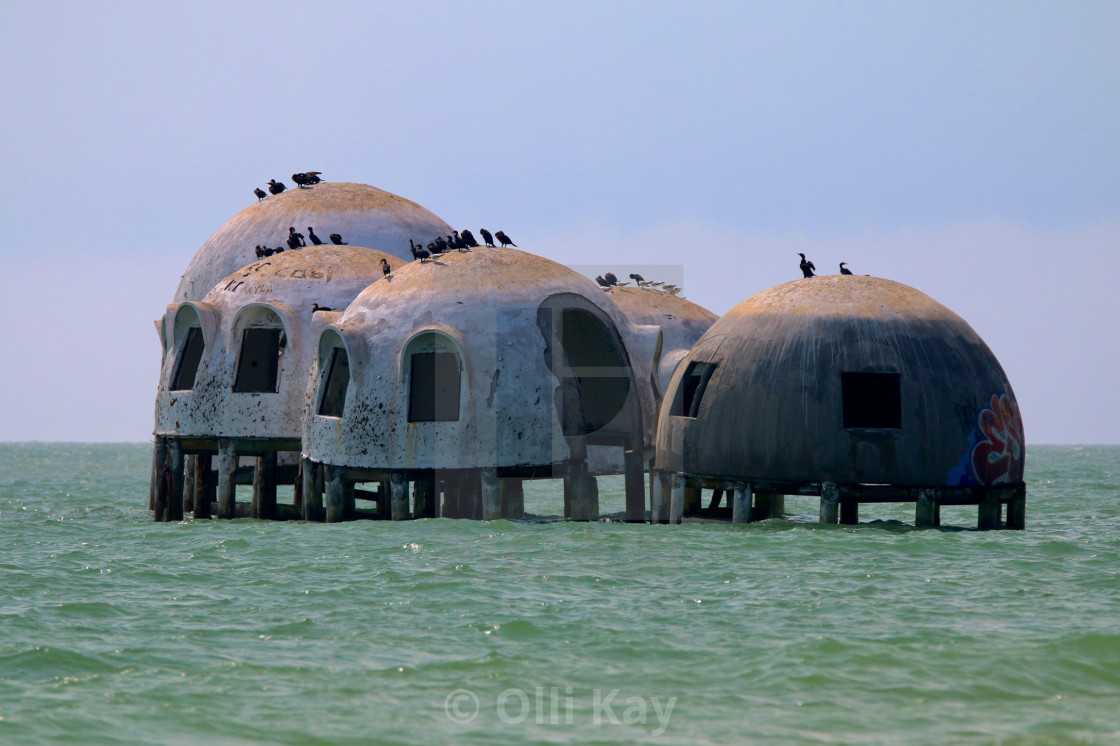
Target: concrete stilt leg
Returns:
[[741, 503], [990, 511], [424, 497], [176, 467], [635, 487], [656, 496], [160, 483], [398, 496], [582, 492], [190, 484], [513, 498], [1017, 509], [335, 497], [927, 512], [312, 509], [676, 503], [491, 495], [830, 503], [227, 490]]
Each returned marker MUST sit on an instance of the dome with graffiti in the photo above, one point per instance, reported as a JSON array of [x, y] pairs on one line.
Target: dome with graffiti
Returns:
[[847, 379]]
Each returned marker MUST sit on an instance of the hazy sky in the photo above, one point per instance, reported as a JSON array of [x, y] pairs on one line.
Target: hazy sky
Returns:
[[971, 150]]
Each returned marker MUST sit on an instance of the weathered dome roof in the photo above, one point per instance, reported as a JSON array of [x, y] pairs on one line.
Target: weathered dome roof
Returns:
[[477, 279], [331, 276], [363, 215], [781, 400]]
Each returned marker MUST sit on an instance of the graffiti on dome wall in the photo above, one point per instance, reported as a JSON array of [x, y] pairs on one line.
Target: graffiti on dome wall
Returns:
[[995, 446]]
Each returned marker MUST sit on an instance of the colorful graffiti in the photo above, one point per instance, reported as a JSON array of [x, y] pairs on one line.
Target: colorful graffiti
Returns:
[[995, 450]]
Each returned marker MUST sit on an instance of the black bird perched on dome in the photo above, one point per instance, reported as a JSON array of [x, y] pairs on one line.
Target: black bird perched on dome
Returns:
[[337, 240], [260, 252], [418, 252], [468, 239], [314, 239], [260, 193], [486, 237], [458, 242], [440, 245], [506, 241], [637, 278], [315, 308], [844, 270], [295, 240], [611, 278], [306, 177], [806, 266], [275, 186], [385, 268], [599, 279]]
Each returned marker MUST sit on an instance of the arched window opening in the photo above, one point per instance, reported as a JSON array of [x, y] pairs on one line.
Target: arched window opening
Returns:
[[596, 385], [258, 367], [686, 403], [333, 399], [435, 377], [190, 357]]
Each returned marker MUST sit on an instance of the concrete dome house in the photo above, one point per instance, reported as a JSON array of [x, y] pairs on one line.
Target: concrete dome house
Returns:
[[857, 389], [363, 215], [234, 373], [472, 371]]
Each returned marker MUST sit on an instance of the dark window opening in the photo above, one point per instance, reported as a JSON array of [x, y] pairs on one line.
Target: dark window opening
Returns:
[[586, 342], [259, 361], [589, 403], [872, 400], [433, 394], [596, 384], [338, 380], [691, 389], [193, 347]]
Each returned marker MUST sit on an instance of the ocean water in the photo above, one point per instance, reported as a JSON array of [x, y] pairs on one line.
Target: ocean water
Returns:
[[116, 629]]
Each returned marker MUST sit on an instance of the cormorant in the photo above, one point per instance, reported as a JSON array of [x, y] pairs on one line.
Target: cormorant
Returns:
[[599, 279], [385, 268], [441, 245], [267, 251], [337, 240], [806, 266], [418, 252], [844, 270], [275, 186], [611, 278], [637, 278], [504, 239], [314, 239], [260, 193], [468, 238], [458, 242], [295, 240], [260, 252], [307, 177], [315, 307], [486, 236]]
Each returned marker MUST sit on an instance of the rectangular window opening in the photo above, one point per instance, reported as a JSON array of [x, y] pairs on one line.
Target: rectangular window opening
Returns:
[[872, 400], [691, 390], [338, 380], [433, 394], [193, 347], [259, 362]]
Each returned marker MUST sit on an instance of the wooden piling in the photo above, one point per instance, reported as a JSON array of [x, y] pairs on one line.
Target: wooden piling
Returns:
[[398, 489], [202, 486], [741, 503], [227, 489], [830, 503]]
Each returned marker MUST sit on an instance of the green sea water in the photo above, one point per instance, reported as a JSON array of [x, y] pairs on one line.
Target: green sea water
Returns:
[[116, 629]]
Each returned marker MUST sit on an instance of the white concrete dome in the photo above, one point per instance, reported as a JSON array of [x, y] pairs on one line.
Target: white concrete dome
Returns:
[[255, 336], [524, 360], [363, 215]]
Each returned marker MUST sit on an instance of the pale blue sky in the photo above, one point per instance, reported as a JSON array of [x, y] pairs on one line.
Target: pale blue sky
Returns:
[[971, 150]]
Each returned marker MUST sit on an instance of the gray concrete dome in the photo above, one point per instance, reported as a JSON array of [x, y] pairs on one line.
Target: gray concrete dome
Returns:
[[260, 315], [517, 389], [363, 215], [682, 323], [846, 379]]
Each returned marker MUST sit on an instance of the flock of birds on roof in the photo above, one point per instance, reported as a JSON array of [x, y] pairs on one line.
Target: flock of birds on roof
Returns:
[[807, 267], [610, 280], [303, 180], [296, 240], [464, 241]]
